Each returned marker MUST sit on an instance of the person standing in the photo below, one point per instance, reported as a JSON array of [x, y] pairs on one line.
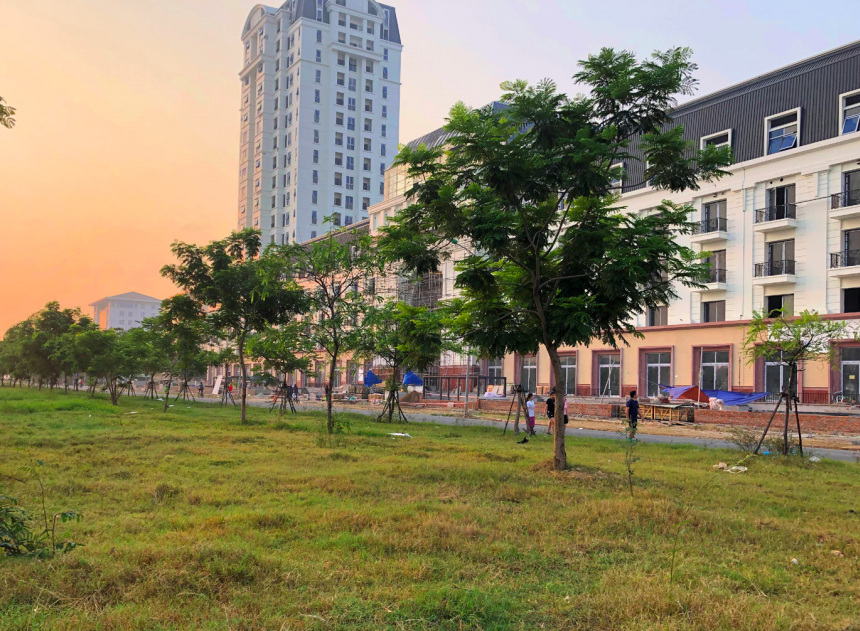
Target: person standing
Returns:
[[530, 414], [295, 392], [632, 414], [550, 412], [200, 389]]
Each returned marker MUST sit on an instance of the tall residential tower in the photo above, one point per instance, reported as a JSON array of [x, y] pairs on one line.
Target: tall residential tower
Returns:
[[320, 115]]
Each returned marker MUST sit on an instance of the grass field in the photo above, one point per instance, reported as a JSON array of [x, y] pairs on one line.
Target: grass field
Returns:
[[193, 521]]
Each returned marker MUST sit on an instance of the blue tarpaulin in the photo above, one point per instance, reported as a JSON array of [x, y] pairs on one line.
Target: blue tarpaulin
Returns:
[[370, 379], [411, 379], [729, 398]]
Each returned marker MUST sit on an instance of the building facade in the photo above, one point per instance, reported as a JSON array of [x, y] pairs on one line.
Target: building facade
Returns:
[[124, 311], [320, 115]]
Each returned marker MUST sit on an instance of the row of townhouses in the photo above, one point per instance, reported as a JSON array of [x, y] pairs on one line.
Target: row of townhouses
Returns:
[[781, 231]]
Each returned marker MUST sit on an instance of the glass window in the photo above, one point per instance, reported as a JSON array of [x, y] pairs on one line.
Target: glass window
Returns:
[[714, 311], [568, 372], [658, 372], [782, 133], [714, 373], [850, 114], [528, 374], [609, 376], [658, 316], [780, 305]]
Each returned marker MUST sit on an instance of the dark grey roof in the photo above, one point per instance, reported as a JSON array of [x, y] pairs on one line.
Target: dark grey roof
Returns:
[[440, 136], [393, 26]]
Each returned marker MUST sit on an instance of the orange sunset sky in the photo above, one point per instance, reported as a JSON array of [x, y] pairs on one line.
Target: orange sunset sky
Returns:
[[127, 134]]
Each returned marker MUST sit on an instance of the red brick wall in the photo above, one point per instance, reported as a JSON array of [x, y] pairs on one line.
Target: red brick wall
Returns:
[[808, 422]]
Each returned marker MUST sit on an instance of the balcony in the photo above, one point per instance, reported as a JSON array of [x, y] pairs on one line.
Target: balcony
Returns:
[[774, 273], [709, 230], [776, 218], [845, 205], [716, 281], [846, 263]]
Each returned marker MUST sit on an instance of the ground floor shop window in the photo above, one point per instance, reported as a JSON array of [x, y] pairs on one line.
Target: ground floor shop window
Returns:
[[568, 374], [850, 369], [658, 370], [528, 374], [715, 370], [609, 375]]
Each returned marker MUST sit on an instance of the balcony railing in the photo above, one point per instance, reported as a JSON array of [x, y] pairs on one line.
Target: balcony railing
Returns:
[[843, 200], [717, 224], [847, 258], [716, 275], [775, 213], [774, 268]]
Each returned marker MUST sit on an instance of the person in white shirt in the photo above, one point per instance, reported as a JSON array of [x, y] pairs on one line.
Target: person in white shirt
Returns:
[[530, 414]]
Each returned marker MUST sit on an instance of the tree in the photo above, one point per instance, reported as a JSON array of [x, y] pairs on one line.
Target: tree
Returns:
[[64, 351], [401, 336], [13, 354], [225, 276], [51, 324], [330, 271], [180, 330], [6, 114], [110, 356], [279, 349], [792, 342], [533, 188]]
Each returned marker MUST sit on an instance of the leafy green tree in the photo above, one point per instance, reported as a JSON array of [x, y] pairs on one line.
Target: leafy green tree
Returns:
[[330, 272], [402, 337], [283, 350], [180, 330], [533, 187], [110, 356], [64, 350], [225, 276], [792, 341], [7, 112]]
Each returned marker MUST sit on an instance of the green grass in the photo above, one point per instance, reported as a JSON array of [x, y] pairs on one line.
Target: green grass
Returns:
[[193, 521]]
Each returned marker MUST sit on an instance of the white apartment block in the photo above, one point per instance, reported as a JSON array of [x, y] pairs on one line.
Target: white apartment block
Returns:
[[320, 115], [124, 311]]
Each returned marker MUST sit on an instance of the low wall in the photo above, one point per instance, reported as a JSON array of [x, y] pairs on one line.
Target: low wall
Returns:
[[605, 410], [808, 422]]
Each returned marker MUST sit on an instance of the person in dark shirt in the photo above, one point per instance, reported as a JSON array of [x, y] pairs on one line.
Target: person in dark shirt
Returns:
[[550, 411], [632, 414]]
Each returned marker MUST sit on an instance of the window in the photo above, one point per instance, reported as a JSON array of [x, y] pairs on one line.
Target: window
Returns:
[[384, 111], [314, 197], [317, 116], [316, 157], [365, 184], [350, 163], [780, 205], [350, 123], [714, 373], [370, 28], [779, 305], [568, 372], [714, 311], [658, 372], [851, 300], [780, 258], [318, 76], [339, 98], [335, 220], [351, 104], [338, 139], [658, 316], [782, 132], [720, 139], [341, 78], [368, 66], [368, 85], [349, 202], [338, 119], [350, 182], [382, 188], [365, 203], [382, 169], [850, 113], [367, 164], [717, 261], [353, 65], [609, 375], [714, 217], [350, 143], [385, 54], [385, 92], [368, 144], [382, 150], [338, 179], [338, 159], [341, 59], [368, 106], [314, 233], [319, 32], [528, 374], [314, 219], [317, 136], [317, 97], [348, 222], [385, 70], [383, 130], [338, 199]]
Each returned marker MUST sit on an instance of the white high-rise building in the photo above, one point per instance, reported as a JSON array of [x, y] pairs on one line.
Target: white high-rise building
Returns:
[[320, 115]]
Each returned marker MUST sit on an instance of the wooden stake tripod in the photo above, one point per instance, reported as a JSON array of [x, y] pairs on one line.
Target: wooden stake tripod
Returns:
[[284, 394], [520, 400], [185, 392], [227, 394], [150, 393], [789, 394], [392, 403]]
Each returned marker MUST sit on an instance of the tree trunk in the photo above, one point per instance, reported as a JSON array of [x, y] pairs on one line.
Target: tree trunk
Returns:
[[787, 412], [330, 398], [517, 417], [244, 393], [394, 393], [559, 455], [167, 391]]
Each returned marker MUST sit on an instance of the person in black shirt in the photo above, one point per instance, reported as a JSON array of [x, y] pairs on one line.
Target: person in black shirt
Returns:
[[550, 411], [632, 414]]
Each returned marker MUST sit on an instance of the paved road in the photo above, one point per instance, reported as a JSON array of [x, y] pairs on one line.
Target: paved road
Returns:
[[833, 454]]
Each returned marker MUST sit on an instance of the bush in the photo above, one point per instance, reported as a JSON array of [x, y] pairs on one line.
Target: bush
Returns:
[[17, 537]]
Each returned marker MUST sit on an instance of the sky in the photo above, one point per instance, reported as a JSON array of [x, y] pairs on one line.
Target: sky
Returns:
[[128, 111]]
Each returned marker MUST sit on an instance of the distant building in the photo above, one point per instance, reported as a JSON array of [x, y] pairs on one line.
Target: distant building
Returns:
[[124, 311]]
